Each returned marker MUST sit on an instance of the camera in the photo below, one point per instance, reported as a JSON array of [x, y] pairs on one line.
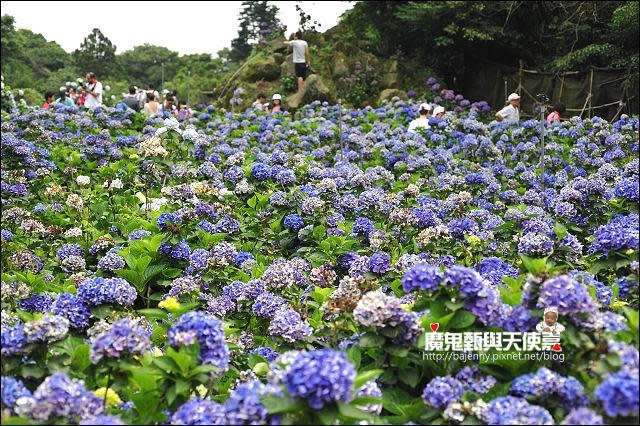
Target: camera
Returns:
[[542, 98]]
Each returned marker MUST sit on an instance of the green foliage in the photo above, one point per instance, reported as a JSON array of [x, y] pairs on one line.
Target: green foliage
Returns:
[[258, 20], [96, 54], [452, 36]]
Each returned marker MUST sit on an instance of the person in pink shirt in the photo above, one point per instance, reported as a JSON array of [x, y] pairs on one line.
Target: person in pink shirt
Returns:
[[558, 110]]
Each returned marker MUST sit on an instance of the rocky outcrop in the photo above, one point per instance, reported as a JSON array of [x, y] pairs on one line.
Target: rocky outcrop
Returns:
[[388, 94], [315, 89], [266, 69]]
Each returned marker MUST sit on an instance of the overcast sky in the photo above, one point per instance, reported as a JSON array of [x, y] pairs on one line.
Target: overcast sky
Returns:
[[182, 26]]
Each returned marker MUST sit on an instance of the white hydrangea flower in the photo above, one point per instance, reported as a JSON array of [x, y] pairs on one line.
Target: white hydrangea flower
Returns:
[[83, 180]]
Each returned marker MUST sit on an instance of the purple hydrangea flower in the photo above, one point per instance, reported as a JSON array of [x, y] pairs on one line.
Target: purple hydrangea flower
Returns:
[[124, 337], [288, 324], [379, 263]]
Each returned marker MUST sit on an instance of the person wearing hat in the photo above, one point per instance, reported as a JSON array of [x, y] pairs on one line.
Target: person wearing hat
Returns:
[[438, 111], [550, 323], [421, 122], [511, 113], [277, 103]]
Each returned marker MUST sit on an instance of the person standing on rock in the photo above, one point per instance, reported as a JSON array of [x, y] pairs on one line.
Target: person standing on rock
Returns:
[[301, 58]]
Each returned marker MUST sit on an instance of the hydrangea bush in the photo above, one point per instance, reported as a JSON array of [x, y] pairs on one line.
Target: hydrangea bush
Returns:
[[243, 268]]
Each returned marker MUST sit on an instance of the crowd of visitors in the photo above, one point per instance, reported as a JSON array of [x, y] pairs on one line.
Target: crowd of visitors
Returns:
[[149, 101]]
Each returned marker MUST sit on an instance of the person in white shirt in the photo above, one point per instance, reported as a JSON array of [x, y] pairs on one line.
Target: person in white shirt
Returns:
[[93, 92], [511, 113], [301, 58], [421, 122], [258, 103]]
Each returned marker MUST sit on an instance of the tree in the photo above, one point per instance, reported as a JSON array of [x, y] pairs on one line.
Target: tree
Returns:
[[97, 54], [143, 64], [10, 47], [258, 21], [306, 24]]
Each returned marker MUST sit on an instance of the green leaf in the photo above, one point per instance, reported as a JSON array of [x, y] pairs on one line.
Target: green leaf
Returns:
[[16, 421], [278, 405], [354, 355], [560, 230], [410, 376], [80, 358], [153, 313], [183, 360], [534, 266], [462, 319], [166, 364], [371, 341], [101, 311], [352, 412], [366, 376]]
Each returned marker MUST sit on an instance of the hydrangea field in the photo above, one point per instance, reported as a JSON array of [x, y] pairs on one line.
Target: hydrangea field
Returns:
[[251, 269]]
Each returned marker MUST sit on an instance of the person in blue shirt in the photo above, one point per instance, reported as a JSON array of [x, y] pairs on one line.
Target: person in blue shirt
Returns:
[[64, 99]]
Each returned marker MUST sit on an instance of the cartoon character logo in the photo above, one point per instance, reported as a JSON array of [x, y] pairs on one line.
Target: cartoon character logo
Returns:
[[550, 323]]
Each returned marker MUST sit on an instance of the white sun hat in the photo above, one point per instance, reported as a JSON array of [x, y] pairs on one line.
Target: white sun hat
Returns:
[[276, 97], [513, 97], [437, 110], [551, 309], [425, 106]]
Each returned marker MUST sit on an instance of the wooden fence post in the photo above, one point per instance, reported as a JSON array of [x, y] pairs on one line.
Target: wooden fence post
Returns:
[[590, 93]]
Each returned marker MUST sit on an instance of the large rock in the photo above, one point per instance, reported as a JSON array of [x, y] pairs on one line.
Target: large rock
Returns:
[[389, 77], [339, 67], [315, 89], [387, 94], [286, 67], [278, 46], [262, 69]]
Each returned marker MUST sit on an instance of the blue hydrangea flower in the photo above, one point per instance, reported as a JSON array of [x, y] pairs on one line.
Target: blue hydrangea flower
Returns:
[[243, 407], [97, 291], [209, 334], [37, 303], [583, 416], [379, 263], [199, 411], [261, 171], [12, 389], [165, 218], [619, 393], [267, 304], [493, 269], [13, 339], [440, 391], [101, 420], [67, 250], [321, 377], [293, 221], [73, 308], [422, 277], [124, 337], [288, 324], [513, 410], [60, 396], [266, 352]]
